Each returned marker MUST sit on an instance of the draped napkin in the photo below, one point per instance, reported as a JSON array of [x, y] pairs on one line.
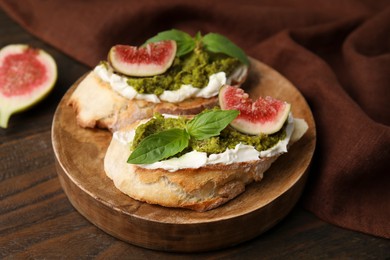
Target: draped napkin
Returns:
[[336, 52]]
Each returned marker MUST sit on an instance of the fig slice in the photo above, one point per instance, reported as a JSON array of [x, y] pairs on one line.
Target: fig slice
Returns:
[[152, 59], [264, 116], [27, 75]]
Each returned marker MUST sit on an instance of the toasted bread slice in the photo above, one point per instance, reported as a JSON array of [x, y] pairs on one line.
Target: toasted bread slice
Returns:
[[97, 105], [197, 189]]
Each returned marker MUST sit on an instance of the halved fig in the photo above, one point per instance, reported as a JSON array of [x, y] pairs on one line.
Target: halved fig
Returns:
[[149, 60], [266, 115], [26, 76]]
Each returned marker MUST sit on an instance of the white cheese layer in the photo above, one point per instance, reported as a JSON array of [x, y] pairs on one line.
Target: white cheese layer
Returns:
[[195, 159], [119, 84]]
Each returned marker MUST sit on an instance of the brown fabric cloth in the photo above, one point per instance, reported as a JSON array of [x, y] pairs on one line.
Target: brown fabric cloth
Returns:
[[336, 52]]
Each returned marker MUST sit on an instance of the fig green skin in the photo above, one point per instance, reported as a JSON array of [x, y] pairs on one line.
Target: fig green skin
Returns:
[[16, 103], [252, 127]]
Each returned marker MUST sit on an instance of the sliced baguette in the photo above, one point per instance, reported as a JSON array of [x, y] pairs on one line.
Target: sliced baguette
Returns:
[[197, 189], [97, 105]]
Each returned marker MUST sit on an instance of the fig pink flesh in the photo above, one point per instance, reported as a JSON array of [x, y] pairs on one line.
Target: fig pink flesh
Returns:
[[21, 73], [149, 60], [262, 110], [153, 53], [265, 115]]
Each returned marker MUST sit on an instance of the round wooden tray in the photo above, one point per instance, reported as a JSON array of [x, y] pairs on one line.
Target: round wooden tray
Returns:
[[79, 157]]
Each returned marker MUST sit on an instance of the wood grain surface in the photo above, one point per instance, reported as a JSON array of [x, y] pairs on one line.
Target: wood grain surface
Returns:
[[80, 152], [37, 221]]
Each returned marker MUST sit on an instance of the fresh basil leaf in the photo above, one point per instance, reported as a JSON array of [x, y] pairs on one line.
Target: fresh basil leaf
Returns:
[[217, 43], [185, 43], [210, 123], [160, 146]]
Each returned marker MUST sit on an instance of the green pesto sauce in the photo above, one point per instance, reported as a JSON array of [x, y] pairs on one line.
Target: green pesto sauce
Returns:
[[193, 68], [228, 138]]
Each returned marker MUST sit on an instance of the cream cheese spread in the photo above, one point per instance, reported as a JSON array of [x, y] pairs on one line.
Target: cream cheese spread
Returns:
[[119, 84]]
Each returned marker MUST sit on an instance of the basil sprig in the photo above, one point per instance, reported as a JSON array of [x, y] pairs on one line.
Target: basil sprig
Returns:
[[167, 143], [212, 42]]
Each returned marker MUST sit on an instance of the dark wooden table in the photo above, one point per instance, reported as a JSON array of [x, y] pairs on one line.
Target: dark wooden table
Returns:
[[37, 220]]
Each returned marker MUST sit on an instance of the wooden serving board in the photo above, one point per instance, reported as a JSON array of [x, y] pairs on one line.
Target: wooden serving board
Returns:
[[79, 155]]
